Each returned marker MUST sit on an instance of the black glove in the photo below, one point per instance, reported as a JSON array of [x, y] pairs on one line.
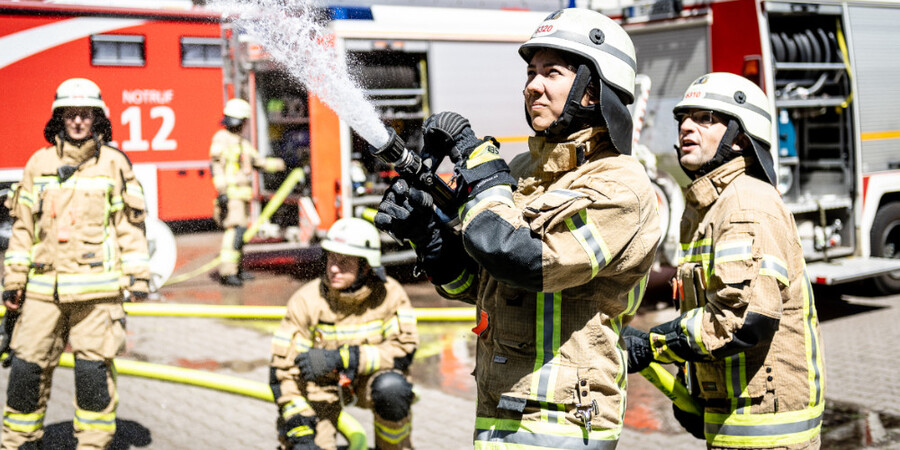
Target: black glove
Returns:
[[692, 423], [222, 202], [317, 362], [637, 342], [405, 213], [448, 133]]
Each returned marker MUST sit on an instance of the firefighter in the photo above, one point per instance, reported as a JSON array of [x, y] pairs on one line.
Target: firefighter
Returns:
[[78, 245], [555, 248], [348, 337], [232, 162], [747, 340]]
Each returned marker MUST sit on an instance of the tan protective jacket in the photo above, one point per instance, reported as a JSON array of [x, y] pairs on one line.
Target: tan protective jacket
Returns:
[[563, 263], [232, 161], [378, 318], [741, 254], [82, 239]]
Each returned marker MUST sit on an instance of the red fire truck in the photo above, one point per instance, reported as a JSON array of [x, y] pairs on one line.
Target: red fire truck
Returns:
[[829, 69]]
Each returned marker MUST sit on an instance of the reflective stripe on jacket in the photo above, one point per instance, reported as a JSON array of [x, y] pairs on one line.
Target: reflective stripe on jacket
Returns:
[[564, 261], [82, 238], [741, 254], [232, 160]]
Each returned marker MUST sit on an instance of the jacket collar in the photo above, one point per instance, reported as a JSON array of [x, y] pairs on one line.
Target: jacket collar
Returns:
[[70, 153], [562, 156], [704, 191], [353, 300]]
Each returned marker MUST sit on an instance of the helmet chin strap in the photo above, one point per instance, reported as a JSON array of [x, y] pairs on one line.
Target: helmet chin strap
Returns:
[[724, 152], [574, 115]]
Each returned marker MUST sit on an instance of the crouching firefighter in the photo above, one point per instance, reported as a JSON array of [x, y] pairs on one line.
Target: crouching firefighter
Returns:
[[555, 248], [747, 340], [348, 337], [233, 161], [77, 246]]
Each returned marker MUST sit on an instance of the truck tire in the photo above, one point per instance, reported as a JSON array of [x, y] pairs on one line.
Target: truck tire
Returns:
[[885, 242]]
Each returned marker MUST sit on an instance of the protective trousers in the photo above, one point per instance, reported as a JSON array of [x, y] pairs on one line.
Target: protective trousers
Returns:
[[96, 333], [235, 223], [325, 404]]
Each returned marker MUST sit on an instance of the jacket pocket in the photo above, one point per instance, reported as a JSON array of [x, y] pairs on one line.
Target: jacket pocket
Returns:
[[553, 207], [114, 339]]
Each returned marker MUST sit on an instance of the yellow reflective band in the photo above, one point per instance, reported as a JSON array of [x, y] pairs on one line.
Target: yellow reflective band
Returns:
[[547, 341], [23, 423], [735, 250], [501, 194], [72, 284], [14, 258], [697, 251], [774, 267], [302, 345], [392, 435], [229, 255], [814, 361], [26, 198], [392, 326], [589, 237], [239, 192], [460, 284], [135, 259], [296, 406], [635, 296], [491, 433], [91, 420], [763, 430], [407, 316], [116, 204], [692, 326], [482, 154], [661, 350], [302, 430], [349, 332], [345, 355], [736, 385], [372, 359], [134, 189]]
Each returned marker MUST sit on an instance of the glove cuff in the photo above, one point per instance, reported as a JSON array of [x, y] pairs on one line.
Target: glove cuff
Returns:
[[350, 358]]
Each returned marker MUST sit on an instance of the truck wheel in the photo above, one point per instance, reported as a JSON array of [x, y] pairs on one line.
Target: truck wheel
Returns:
[[885, 241]]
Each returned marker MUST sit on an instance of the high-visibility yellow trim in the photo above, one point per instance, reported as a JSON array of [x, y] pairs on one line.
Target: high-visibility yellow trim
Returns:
[[814, 363], [348, 332], [734, 250], [547, 342], [301, 430], [294, 407], [692, 326], [500, 193], [661, 350], [392, 435], [491, 433], [774, 267], [483, 153], [763, 430], [460, 284], [23, 423], [91, 420], [587, 234], [14, 258], [372, 358], [879, 135]]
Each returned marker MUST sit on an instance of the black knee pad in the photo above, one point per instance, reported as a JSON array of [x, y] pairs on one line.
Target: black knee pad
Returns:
[[392, 396], [301, 441], [91, 390], [274, 383], [238, 243], [23, 390]]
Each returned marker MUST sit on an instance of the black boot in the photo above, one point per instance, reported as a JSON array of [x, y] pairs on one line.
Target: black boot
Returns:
[[231, 280]]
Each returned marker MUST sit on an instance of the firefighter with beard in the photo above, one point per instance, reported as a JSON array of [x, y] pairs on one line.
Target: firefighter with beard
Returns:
[[747, 341], [348, 337], [232, 163], [554, 249], [78, 244]]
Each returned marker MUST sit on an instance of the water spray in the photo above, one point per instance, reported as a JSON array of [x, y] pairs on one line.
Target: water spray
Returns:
[[292, 34]]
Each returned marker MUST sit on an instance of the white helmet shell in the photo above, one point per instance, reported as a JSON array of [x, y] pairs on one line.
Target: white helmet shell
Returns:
[[356, 237], [734, 96], [593, 36], [237, 108], [79, 92]]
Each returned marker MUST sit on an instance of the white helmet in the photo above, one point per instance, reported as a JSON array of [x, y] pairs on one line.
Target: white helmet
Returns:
[[237, 108], [79, 92], [593, 36], [609, 53], [357, 237], [739, 98]]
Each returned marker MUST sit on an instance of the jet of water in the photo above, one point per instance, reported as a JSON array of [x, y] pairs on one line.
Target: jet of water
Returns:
[[293, 34]]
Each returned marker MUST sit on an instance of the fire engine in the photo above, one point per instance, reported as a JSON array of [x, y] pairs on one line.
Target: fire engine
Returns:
[[828, 69]]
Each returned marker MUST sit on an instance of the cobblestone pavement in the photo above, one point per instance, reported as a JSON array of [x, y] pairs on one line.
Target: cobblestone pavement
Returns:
[[861, 363]]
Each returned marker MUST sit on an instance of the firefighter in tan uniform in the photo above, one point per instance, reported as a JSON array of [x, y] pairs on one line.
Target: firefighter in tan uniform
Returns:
[[747, 340], [555, 249], [77, 245], [232, 162], [347, 338]]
